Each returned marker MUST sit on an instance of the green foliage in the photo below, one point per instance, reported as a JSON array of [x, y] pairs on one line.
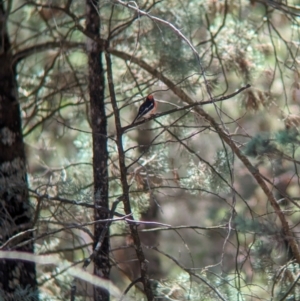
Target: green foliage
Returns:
[[183, 288], [261, 253], [220, 179], [288, 136], [197, 178], [284, 280], [245, 225], [174, 56], [228, 288], [268, 144], [241, 57], [259, 145], [208, 177], [179, 288]]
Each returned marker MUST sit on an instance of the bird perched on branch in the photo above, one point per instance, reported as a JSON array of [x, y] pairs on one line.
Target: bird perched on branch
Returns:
[[147, 108]]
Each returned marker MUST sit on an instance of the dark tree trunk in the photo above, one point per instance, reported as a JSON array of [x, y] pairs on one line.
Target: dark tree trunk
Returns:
[[15, 213], [100, 155]]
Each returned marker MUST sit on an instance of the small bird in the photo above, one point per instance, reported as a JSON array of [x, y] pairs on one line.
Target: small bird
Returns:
[[147, 108]]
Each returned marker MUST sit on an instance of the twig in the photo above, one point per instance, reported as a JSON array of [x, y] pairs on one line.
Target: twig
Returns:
[[169, 227], [130, 286]]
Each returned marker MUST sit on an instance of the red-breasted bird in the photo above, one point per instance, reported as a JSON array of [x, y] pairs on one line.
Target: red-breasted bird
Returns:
[[147, 108]]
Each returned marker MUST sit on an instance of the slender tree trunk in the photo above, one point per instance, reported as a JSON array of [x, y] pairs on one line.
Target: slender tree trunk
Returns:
[[15, 214], [100, 154]]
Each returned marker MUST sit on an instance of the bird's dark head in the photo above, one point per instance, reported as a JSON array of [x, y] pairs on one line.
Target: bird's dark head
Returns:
[[150, 97]]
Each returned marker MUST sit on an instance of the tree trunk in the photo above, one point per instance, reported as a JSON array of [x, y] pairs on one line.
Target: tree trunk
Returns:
[[100, 154], [15, 213]]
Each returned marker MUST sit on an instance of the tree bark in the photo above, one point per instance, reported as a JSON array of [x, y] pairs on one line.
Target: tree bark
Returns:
[[100, 154], [15, 213]]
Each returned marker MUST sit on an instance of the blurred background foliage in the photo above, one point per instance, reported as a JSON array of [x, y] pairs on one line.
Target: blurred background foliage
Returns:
[[210, 221]]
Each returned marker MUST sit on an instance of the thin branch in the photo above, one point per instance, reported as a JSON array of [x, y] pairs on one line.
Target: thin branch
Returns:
[[130, 286], [33, 50], [169, 227]]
